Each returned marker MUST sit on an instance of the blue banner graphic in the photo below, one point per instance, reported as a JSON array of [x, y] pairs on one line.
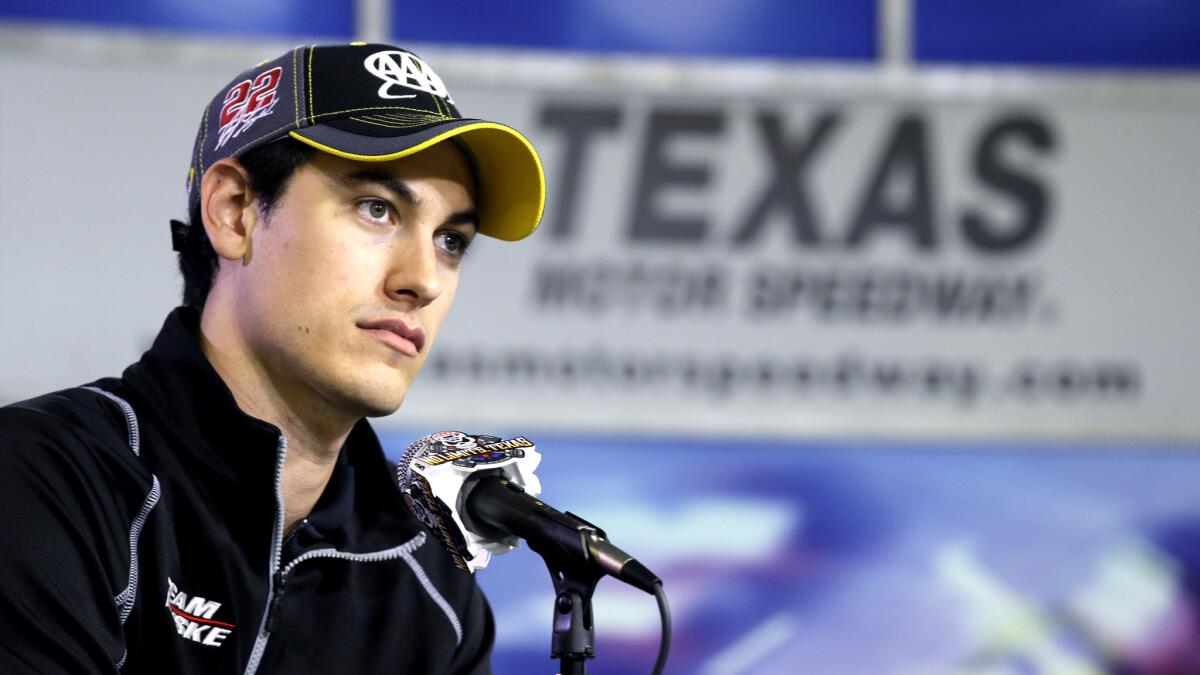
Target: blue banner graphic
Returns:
[[869, 558]]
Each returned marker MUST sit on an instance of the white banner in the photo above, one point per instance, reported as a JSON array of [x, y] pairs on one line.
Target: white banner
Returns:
[[721, 252]]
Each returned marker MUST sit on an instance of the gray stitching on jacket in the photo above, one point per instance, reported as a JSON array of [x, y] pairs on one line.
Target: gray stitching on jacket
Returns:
[[135, 436], [125, 599], [434, 594]]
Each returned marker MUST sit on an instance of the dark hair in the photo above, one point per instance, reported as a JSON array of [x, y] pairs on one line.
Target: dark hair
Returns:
[[270, 167]]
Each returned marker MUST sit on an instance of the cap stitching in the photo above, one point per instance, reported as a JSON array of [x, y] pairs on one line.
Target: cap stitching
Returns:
[[311, 108], [295, 85], [313, 119], [203, 143], [413, 114], [378, 107], [430, 119], [386, 121], [312, 102], [401, 116], [391, 126], [410, 113], [204, 136]]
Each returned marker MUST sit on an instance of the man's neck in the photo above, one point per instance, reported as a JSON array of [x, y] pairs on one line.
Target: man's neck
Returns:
[[314, 435]]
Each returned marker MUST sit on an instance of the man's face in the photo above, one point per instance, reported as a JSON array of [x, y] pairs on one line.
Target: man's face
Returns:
[[347, 283]]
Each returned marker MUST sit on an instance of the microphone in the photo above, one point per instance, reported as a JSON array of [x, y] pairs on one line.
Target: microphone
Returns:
[[478, 494]]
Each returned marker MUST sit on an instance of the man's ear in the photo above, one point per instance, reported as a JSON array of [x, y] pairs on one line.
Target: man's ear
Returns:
[[227, 208]]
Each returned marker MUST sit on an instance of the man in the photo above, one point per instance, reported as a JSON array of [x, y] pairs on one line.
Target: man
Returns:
[[223, 507]]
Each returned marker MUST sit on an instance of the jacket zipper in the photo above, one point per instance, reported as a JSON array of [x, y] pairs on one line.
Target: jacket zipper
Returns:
[[264, 632], [278, 579]]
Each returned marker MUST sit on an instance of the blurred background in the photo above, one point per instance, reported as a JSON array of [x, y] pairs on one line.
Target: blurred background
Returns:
[[868, 325]]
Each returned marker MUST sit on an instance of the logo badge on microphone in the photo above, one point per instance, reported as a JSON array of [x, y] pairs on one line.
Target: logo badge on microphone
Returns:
[[433, 471], [477, 450]]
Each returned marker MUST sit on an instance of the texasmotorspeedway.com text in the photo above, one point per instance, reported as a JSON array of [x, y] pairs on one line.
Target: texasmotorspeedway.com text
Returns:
[[937, 379]]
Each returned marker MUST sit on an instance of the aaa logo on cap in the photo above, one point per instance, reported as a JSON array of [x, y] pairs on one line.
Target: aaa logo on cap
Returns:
[[401, 69]]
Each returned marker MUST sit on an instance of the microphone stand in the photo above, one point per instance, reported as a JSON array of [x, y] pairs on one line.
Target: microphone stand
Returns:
[[574, 636]]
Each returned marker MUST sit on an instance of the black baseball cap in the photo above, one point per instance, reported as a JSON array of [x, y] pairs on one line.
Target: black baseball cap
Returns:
[[371, 103]]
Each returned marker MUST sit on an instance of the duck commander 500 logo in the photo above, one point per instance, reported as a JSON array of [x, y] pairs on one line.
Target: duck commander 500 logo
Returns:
[[490, 453], [194, 617]]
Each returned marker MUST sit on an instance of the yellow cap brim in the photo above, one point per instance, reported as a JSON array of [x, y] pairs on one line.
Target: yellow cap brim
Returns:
[[512, 190]]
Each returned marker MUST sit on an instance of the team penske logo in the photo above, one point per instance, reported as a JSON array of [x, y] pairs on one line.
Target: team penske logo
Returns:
[[401, 69], [194, 617]]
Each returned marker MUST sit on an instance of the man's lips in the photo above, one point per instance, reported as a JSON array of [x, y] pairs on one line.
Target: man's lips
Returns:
[[396, 334]]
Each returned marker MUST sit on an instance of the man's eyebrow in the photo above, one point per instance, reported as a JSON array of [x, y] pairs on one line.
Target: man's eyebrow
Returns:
[[383, 179], [468, 217], [405, 193]]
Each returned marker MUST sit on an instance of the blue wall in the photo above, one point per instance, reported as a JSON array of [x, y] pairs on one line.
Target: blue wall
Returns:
[[1113, 33], [794, 29], [1030, 33], [221, 17]]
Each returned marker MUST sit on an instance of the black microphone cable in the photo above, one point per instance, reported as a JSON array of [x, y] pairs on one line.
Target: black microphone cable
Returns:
[[664, 614]]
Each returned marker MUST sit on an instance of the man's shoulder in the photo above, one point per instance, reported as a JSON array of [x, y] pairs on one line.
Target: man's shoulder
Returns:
[[80, 424]]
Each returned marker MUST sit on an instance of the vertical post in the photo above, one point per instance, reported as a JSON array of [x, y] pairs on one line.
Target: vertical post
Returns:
[[373, 20], [895, 34]]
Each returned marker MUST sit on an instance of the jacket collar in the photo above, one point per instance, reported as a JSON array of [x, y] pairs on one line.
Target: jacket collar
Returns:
[[235, 451]]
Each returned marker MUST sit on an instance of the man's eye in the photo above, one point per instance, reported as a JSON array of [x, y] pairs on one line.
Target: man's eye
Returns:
[[453, 242], [374, 209]]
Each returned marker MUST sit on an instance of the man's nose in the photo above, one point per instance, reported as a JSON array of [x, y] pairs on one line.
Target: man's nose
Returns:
[[413, 275]]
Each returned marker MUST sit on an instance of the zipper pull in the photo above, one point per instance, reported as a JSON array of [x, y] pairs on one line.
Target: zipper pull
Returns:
[[292, 532], [274, 612]]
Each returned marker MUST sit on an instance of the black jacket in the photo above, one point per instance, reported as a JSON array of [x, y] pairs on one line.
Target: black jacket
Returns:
[[141, 532]]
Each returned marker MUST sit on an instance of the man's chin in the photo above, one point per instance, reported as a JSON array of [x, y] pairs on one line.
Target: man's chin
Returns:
[[357, 389], [378, 401], [382, 410], [377, 406]]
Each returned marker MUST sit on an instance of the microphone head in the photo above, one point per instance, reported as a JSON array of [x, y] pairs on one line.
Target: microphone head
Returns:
[[432, 474]]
